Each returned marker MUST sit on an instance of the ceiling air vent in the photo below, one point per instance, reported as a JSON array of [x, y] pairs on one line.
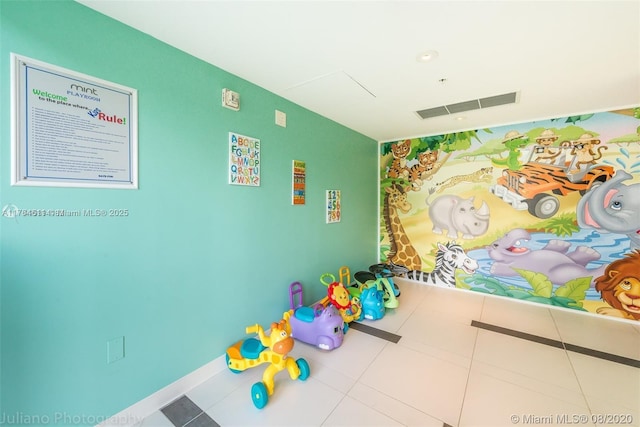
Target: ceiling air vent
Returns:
[[463, 106], [474, 104], [433, 112], [492, 101]]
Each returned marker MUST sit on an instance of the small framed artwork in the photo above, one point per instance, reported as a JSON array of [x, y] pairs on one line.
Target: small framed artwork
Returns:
[[244, 160], [334, 212]]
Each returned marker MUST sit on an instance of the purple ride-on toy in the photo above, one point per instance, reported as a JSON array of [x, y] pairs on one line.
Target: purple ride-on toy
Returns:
[[319, 326]]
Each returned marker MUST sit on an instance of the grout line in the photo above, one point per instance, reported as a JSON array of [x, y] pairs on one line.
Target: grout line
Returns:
[[466, 384], [355, 382], [559, 344], [208, 421], [573, 368]]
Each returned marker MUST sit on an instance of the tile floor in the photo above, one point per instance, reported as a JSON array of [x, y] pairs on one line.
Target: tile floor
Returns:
[[463, 359]]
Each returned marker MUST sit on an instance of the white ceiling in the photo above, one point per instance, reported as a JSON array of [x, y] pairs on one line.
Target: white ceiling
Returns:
[[355, 61]]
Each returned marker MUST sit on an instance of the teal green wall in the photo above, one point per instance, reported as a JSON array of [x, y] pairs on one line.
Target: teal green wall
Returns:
[[197, 259]]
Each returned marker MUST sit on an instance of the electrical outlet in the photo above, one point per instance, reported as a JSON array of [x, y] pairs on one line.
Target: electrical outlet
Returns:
[[115, 349]]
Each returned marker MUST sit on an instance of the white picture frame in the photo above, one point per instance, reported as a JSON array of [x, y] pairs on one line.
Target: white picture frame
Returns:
[[69, 129], [244, 160]]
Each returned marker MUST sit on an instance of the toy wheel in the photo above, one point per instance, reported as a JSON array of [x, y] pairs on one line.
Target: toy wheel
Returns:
[[259, 395], [304, 369]]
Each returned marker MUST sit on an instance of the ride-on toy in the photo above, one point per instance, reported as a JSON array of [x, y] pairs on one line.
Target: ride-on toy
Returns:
[[388, 271], [337, 295], [372, 303], [319, 325], [271, 349], [366, 279]]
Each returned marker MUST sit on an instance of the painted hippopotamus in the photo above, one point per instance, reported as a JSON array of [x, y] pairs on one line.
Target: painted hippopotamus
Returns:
[[613, 207], [457, 215], [553, 260]]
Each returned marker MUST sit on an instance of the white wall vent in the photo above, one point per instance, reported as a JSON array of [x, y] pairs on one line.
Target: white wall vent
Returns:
[[474, 104]]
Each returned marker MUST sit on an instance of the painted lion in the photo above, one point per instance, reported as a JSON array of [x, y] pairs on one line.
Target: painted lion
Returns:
[[619, 287]]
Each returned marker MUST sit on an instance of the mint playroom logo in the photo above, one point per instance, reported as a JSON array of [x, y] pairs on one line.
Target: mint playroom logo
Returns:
[[84, 92], [98, 114]]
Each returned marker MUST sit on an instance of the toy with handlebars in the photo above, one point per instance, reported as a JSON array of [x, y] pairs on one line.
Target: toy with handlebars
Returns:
[[272, 349], [319, 325], [337, 294]]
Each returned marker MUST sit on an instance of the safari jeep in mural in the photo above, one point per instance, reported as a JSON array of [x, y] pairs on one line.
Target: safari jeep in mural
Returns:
[[546, 212], [548, 173]]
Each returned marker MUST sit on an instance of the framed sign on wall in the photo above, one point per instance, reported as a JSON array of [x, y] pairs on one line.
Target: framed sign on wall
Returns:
[[334, 210], [70, 129], [244, 160], [299, 182]]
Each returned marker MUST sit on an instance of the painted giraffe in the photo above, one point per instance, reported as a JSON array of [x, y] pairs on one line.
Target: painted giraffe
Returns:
[[402, 251]]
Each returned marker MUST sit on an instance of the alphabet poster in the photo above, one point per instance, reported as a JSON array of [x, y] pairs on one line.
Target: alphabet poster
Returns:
[[71, 129], [244, 160]]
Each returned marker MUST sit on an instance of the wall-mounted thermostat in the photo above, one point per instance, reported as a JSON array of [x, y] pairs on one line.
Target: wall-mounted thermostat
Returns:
[[230, 99]]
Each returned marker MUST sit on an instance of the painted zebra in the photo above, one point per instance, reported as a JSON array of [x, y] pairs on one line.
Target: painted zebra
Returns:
[[448, 258]]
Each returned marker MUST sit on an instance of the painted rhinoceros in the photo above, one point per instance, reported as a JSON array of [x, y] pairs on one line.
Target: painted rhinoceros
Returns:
[[457, 215]]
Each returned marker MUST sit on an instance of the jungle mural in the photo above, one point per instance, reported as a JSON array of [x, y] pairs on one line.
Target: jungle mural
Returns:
[[547, 211]]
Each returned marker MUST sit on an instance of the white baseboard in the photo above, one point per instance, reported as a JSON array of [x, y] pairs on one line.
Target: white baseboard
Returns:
[[135, 413]]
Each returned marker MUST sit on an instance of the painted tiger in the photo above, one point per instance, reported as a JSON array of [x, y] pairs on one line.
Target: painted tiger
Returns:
[[449, 258], [423, 169], [400, 151], [483, 174]]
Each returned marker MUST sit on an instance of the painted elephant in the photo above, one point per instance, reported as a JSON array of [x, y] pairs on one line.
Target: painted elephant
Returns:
[[613, 207], [458, 215]]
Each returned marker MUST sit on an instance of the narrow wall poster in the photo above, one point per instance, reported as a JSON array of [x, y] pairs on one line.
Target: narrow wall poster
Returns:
[[299, 182], [333, 206], [244, 160]]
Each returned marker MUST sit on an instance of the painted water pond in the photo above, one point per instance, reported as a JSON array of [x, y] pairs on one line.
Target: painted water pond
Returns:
[[610, 247]]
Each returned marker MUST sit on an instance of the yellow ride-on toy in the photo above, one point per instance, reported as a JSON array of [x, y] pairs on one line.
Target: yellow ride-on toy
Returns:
[[273, 349]]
